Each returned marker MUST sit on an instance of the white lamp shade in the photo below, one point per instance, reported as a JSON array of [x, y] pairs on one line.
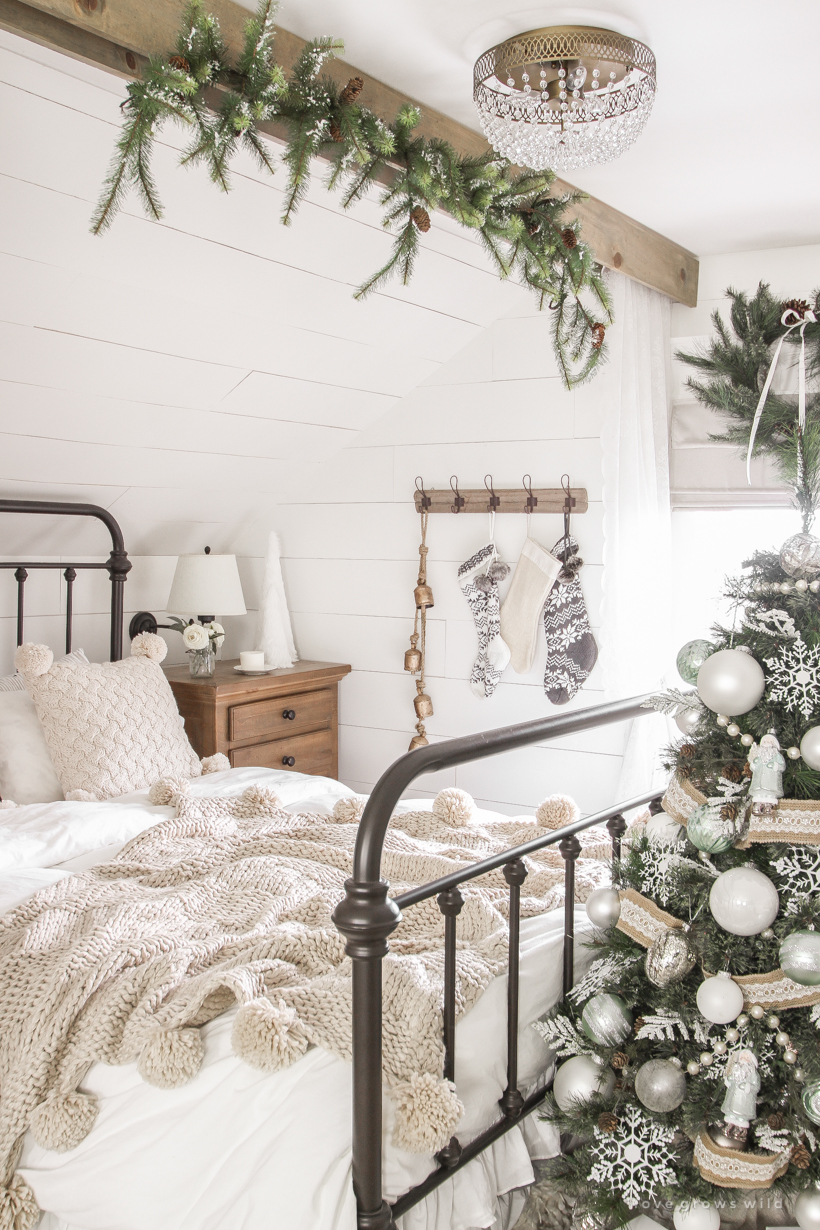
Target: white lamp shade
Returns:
[[206, 585]]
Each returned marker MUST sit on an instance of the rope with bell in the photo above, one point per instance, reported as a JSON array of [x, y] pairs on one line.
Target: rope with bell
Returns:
[[415, 656]]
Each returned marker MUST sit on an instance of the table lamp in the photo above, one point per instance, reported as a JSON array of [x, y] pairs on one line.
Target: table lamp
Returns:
[[201, 583]]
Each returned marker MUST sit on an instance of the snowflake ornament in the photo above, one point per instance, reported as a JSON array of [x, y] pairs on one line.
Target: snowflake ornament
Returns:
[[562, 1037], [774, 623], [794, 676], [601, 975], [800, 869], [636, 1159]]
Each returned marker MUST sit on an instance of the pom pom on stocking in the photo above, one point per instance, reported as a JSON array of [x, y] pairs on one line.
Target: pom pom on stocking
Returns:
[[347, 811], [268, 1036], [171, 1057], [149, 645], [166, 791], [216, 763], [480, 588], [62, 1121], [557, 810], [18, 1208], [34, 660], [454, 807], [427, 1112]]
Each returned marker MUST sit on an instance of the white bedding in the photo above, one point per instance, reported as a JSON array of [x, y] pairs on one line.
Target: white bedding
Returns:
[[236, 1149]]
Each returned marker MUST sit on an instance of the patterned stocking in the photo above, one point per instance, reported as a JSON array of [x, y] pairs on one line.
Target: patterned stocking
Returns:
[[478, 579], [571, 648]]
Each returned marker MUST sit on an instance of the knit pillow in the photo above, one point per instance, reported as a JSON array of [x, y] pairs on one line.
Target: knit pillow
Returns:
[[110, 727]]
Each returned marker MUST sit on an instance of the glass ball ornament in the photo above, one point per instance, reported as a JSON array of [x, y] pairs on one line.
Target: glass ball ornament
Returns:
[[793, 753], [800, 957], [719, 999], [743, 901], [810, 747], [664, 830], [696, 1215], [800, 556], [687, 720], [708, 832], [807, 1207], [606, 1019], [730, 682], [659, 1085], [691, 658], [578, 1079], [670, 957], [810, 1098], [603, 907]]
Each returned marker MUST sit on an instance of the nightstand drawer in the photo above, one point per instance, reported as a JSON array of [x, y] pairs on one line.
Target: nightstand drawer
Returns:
[[312, 753], [265, 719]]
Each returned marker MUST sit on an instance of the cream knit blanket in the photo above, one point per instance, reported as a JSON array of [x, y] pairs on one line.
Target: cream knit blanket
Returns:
[[230, 902]]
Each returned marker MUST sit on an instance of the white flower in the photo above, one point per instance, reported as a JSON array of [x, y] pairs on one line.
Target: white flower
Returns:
[[195, 637], [217, 633]]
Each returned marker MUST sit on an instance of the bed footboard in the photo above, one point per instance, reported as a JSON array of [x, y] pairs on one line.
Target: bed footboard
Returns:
[[367, 916]]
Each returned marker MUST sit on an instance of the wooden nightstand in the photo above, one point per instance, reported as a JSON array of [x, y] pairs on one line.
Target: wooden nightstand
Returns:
[[285, 720]]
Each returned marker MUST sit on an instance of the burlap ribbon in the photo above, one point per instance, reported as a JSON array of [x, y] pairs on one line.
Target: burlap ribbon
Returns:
[[641, 919], [731, 1168], [796, 820]]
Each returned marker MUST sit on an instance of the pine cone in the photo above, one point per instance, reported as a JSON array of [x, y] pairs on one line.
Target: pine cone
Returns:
[[570, 240], [336, 131], [620, 1060], [598, 332], [729, 811], [608, 1122], [684, 771], [732, 772], [687, 749], [798, 306], [776, 1121], [421, 218], [639, 1023], [351, 91], [533, 227], [747, 770], [801, 1158], [180, 63]]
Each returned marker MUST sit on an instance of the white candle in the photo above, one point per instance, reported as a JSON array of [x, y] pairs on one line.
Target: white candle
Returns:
[[252, 660]]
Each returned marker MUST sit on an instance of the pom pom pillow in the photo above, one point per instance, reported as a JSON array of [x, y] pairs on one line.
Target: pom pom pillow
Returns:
[[110, 727]]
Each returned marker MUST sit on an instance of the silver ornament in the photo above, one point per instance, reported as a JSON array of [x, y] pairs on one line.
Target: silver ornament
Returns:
[[807, 1208], [708, 831], [810, 747], [691, 658], [606, 1019], [687, 720], [670, 958], [811, 1101], [659, 1085], [580, 1078], [800, 957], [695, 1215], [800, 556], [731, 682], [604, 907]]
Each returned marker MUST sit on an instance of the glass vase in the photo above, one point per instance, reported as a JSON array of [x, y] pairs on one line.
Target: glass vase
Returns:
[[201, 662]]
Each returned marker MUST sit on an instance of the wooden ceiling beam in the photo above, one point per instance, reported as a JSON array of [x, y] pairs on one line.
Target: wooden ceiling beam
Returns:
[[119, 36]]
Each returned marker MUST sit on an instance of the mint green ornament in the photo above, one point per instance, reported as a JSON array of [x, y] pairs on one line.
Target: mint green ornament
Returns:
[[708, 832], [691, 658], [811, 1101], [606, 1019], [800, 957]]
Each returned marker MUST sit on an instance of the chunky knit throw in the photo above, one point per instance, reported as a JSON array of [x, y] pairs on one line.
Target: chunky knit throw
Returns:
[[230, 901]]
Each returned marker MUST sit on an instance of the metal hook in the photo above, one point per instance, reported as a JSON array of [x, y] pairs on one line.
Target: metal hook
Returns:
[[569, 502], [531, 500], [459, 500], [425, 501], [495, 500]]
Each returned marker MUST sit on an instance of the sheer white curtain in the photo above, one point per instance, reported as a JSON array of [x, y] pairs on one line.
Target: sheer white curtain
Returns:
[[637, 604]]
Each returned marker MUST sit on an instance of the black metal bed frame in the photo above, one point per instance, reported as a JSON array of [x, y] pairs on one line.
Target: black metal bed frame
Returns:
[[367, 915], [118, 566]]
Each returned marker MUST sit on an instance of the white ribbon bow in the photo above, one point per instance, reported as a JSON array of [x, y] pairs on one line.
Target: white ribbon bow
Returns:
[[800, 323]]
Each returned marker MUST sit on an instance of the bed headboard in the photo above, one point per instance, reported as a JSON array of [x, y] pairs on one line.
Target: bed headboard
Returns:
[[118, 566]]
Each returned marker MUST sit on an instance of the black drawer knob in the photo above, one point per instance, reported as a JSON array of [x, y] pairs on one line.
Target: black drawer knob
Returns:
[[289, 714], [290, 761]]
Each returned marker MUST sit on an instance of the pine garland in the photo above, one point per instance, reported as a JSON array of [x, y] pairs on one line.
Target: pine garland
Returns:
[[735, 364], [521, 227]]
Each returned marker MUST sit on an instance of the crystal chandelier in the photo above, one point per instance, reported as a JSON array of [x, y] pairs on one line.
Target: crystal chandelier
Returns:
[[565, 96]]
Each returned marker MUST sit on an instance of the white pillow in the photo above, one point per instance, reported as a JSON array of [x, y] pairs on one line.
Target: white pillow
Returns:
[[111, 727], [26, 772]]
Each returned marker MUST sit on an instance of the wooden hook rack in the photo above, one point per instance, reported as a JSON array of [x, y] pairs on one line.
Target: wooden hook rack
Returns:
[[523, 499]]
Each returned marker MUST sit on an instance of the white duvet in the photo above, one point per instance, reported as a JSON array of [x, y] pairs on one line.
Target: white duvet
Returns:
[[236, 1149]]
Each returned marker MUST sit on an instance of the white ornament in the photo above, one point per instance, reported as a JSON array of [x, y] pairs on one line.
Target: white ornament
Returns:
[[743, 901], [636, 1159], [799, 869], [810, 747], [731, 682], [720, 999], [696, 1215], [794, 677], [579, 1079], [807, 1209], [793, 753], [604, 907], [733, 730], [664, 830], [687, 721]]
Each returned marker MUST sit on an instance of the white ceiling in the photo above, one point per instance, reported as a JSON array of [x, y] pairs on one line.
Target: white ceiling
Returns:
[[728, 161]]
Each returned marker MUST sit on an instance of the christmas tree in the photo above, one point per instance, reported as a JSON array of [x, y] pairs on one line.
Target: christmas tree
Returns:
[[688, 1055]]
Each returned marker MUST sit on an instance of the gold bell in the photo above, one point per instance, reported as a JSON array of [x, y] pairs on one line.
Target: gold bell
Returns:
[[417, 741], [423, 705], [423, 595], [412, 656]]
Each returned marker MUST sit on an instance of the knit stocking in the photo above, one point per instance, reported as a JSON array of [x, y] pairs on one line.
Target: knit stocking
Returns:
[[533, 579], [478, 578], [571, 648]]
